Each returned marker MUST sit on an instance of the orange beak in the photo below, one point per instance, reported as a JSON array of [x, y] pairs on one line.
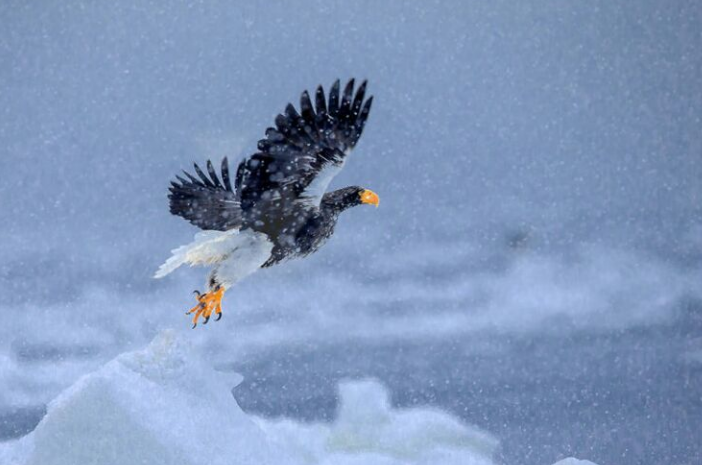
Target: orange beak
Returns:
[[369, 197]]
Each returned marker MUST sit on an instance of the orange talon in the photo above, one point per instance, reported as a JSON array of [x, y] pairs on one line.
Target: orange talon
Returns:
[[197, 315], [193, 309], [218, 311], [207, 303]]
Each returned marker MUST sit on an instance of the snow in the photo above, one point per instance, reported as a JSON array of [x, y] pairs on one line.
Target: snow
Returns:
[[165, 405], [573, 461], [152, 406], [369, 430], [541, 227]]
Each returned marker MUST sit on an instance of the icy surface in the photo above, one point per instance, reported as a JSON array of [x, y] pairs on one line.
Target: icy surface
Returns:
[[574, 461], [164, 405], [368, 430], [155, 406]]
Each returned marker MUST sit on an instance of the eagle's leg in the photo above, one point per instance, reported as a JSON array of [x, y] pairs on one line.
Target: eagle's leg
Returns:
[[207, 303]]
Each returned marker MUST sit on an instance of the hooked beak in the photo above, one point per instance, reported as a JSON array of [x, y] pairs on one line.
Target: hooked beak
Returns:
[[369, 197]]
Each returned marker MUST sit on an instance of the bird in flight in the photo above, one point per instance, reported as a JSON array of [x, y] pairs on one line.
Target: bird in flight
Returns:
[[278, 207]]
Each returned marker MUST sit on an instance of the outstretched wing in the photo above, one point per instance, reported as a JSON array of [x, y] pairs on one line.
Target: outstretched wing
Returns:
[[206, 202], [300, 156]]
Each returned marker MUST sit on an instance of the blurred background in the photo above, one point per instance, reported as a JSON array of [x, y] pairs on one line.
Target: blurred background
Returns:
[[535, 266]]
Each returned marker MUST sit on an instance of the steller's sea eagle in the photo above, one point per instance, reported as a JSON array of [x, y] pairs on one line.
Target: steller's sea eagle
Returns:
[[278, 207]]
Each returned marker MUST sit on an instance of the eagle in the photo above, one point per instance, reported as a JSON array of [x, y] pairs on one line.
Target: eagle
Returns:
[[277, 208]]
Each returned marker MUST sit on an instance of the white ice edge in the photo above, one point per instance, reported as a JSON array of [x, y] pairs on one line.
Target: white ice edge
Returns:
[[165, 405]]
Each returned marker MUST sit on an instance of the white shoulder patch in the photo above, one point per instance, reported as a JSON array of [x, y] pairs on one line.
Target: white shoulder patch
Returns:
[[318, 187]]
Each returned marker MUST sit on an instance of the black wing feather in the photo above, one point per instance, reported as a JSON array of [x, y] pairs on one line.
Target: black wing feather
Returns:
[[225, 175], [320, 101], [345, 109], [193, 179], [213, 174], [204, 178], [334, 99], [358, 100], [269, 183], [299, 147], [205, 202], [306, 110]]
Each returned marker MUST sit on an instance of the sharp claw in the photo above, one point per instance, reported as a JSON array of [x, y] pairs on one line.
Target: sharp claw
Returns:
[[207, 303]]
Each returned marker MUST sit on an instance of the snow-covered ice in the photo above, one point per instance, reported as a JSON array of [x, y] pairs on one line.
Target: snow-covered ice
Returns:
[[165, 405], [156, 405], [574, 461], [368, 430]]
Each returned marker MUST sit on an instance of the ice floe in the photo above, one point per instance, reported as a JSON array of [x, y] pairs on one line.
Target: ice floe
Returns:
[[165, 405]]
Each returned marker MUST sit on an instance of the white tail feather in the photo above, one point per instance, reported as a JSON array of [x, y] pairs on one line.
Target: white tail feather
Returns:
[[171, 264]]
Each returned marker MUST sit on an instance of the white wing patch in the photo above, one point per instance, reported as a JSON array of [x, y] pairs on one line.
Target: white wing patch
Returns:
[[318, 187]]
